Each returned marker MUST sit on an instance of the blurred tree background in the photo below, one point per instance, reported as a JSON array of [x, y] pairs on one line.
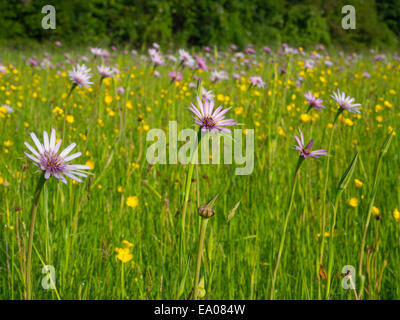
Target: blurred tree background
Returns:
[[137, 23]]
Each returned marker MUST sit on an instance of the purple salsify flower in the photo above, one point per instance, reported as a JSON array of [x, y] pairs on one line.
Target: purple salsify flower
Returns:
[[346, 102], [208, 119], [267, 50], [313, 101], [175, 76], [55, 164], [156, 57], [33, 61], [206, 95], [366, 75], [257, 82], [218, 75], [250, 50], [305, 151], [121, 90], [201, 63], [80, 76], [105, 72]]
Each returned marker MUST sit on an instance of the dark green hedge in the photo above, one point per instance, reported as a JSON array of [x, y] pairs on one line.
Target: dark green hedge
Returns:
[[201, 22]]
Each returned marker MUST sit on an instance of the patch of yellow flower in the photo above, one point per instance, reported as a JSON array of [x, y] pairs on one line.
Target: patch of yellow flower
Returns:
[[132, 201], [353, 202], [124, 254]]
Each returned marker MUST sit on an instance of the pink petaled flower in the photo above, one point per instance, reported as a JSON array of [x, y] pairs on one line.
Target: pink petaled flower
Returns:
[[58, 43], [105, 72], [305, 151], [218, 75], [313, 101], [208, 119], [3, 69], [80, 76], [97, 52], [257, 82], [175, 76], [267, 50], [201, 63], [156, 57], [55, 164], [346, 102], [250, 50], [206, 95]]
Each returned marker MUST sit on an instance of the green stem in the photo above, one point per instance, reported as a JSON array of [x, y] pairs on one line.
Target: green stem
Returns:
[[123, 281], [324, 195], [35, 204], [331, 249], [373, 194], [285, 227], [189, 179], [204, 222]]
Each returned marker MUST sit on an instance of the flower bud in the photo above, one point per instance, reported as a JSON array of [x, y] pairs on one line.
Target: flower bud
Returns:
[[207, 210]]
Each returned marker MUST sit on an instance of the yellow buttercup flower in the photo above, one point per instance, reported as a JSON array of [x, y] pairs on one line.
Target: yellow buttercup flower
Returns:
[[90, 163], [124, 254], [375, 211], [70, 119], [353, 202], [132, 201], [396, 215], [358, 183]]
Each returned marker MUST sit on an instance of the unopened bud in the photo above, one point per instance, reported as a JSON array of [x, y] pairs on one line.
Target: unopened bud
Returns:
[[207, 210]]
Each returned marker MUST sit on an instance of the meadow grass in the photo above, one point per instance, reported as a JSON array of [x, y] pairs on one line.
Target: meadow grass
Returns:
[[78, 226]]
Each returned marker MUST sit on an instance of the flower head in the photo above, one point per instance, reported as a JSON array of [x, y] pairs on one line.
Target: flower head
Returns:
[[53, 163], [305, 151], [206, 95], [81, 76], [105, 72], [313, 101], [346, 102], [208, 119], [219, 75], [257, 82]]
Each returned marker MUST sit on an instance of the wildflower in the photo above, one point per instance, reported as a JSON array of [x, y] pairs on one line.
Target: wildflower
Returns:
[[80, 76], [70, 119], [375, 211], [97, 52], [156, 57], [132, 201], [175, 76], [313, 101], [346, 102], [105, 72], [396, 215], [206, 95], [55, 164], [358, 183], [353, 202], [218, 76], [124, 254], [305, 151], [257, 82], [209, 120]]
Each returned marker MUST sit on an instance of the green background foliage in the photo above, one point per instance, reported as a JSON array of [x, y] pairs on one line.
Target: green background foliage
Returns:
[[202, 22]]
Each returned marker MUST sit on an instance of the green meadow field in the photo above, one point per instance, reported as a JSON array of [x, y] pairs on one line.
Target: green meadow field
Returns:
[[124, 233]]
